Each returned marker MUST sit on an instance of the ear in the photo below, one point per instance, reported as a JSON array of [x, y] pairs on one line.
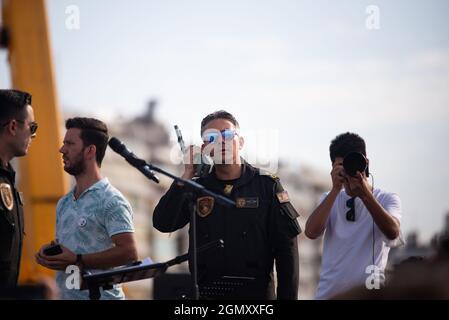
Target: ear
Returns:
[[91, 152], [241, 142], [12, 127]]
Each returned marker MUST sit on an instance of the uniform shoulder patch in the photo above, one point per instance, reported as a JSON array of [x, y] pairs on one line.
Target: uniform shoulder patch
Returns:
[[283, 196]]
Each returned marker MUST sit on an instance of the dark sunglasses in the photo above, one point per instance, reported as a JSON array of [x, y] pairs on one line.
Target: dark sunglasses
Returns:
[[33, 126], [350, 214], [213, 137]]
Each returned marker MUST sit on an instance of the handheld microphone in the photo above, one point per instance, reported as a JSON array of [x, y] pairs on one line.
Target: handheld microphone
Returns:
[[132, 159], [180, 139], [202, 164]]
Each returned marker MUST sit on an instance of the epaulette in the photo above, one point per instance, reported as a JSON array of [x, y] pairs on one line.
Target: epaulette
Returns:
[[269, 174]]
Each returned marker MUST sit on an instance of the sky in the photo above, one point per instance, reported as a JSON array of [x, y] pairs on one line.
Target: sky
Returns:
[[299, 71]]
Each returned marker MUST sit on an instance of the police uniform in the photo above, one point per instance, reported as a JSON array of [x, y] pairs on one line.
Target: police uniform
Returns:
[[261, 229], [11, 228]]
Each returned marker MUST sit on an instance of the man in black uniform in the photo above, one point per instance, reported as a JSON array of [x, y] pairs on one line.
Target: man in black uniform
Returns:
[[17, 128], [260, 229]]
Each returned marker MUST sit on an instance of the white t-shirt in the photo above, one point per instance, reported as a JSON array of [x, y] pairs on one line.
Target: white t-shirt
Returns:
[[348, 245]]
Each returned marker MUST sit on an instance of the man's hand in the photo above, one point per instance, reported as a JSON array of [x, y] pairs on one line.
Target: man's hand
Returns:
[[338, 176], [58, 262], [189, 169], [358, 186], [316, 223]]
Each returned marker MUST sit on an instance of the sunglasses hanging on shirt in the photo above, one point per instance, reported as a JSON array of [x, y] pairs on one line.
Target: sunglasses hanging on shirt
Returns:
[[350, 214]]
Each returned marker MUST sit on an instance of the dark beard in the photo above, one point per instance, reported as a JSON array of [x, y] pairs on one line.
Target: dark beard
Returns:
[[77, 168]]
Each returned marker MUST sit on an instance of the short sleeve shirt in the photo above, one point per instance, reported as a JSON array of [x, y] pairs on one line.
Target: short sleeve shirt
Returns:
[[86, 225], [350, 248]]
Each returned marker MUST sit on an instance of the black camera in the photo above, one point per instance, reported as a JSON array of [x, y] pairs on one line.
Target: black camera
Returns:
[[53, 250], [355, 161]]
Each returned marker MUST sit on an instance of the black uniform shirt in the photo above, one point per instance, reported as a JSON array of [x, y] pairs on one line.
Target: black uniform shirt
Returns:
[[261, 229], [11, 228]]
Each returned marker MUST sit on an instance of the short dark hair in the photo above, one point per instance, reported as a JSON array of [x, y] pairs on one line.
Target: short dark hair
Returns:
[[346, 143], [93, 131], [221, 114], [13, 105]]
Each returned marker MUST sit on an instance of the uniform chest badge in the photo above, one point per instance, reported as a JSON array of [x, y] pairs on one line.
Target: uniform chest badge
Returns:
[[204, 206], [247, 202], [6, 195]]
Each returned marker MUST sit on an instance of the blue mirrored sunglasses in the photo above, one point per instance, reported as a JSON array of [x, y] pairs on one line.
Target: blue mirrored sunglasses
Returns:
[[213, 137]]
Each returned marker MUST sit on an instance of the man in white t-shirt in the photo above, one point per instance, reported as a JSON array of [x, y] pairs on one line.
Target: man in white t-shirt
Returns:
[[362, 223]]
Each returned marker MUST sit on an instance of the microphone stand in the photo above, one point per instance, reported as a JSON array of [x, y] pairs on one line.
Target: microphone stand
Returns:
[[195, 188]]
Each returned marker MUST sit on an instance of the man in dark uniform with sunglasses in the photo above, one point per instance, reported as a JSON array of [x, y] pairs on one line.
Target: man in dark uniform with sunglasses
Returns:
[[262, 229], [17, 129]]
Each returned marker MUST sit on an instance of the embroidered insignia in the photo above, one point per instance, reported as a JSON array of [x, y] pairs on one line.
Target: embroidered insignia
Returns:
[[247, 202], [204, 206], [6, 195], [283, 197]]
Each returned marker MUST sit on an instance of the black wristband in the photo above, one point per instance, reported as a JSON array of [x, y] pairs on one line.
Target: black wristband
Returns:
[[79, 260]]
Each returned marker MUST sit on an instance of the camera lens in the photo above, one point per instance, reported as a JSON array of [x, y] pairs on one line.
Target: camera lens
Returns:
[[353, 162]]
